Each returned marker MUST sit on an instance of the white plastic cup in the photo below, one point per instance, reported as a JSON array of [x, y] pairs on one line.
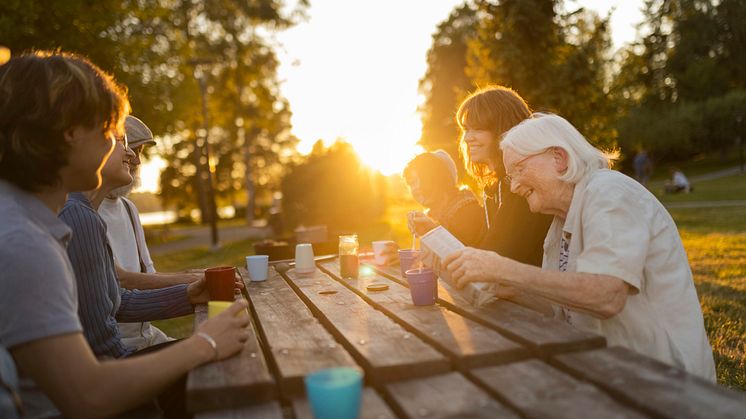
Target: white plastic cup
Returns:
[[257, 265], [304, 263], [378, 248]]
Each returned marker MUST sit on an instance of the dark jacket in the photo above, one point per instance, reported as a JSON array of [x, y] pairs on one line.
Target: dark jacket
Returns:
[[514, 231], [463, 217]]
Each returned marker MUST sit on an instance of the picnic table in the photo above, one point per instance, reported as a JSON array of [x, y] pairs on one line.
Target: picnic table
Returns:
[[447, 360]]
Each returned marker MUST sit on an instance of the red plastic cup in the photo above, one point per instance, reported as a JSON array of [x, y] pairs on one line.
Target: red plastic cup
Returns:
[[221, 283], [423, 285]]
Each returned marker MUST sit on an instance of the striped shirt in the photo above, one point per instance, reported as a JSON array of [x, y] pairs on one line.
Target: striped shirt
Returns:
[[101, 299]]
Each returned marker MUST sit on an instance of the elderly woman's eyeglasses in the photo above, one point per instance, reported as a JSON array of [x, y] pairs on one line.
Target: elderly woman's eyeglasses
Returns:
[[520, 166]]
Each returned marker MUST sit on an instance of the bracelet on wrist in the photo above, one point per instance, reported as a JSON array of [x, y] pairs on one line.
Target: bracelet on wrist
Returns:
[[211, 342]]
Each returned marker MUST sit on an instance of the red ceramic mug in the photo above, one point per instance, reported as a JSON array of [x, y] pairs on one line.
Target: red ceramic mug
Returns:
[[221, 283]]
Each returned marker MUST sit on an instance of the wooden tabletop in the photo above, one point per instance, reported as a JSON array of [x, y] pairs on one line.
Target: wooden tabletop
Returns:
[[446, 360]]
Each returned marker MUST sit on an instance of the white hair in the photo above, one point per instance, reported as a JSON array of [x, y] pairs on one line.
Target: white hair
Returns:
[[543, 131]]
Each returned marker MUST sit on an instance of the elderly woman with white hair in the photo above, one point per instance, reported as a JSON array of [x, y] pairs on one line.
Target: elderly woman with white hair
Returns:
[[613, 260]]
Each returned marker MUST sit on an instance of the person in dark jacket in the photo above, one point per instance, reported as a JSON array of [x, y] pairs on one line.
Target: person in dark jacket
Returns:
[[512, 230], [433, 181]]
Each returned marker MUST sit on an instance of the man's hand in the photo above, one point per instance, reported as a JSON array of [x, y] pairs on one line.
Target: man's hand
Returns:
[[197, 291], [419, 223]]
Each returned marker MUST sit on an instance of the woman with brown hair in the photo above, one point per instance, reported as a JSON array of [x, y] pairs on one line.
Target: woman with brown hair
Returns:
[[511, 229]]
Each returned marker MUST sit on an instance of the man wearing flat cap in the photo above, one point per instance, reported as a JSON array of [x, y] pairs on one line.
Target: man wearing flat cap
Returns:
[[127, 240]]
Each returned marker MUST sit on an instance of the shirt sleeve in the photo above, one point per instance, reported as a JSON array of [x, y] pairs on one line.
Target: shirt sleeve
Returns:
[[615, 233], [37, 291], [95, 275], [155, 304]]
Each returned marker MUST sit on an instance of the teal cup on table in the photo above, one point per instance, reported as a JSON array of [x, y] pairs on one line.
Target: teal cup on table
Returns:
[[335, 393]]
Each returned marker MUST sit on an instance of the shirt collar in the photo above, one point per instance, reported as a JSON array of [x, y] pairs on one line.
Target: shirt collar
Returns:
[[37, 211], [576, 203], [80, 197]]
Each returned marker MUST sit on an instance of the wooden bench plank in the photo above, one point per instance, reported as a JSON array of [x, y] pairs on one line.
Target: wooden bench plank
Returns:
[[468, 343], [543, 335], [384, 349], [299, 344], [652, 386], [271, 410], [373, 407], [444, 396], [238, 381], [538, 390]]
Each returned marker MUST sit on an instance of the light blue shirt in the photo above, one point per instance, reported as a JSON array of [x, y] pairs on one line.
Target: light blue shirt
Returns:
[[38, 295]]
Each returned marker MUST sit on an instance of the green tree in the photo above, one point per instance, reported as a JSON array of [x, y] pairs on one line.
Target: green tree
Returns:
[[445, 83], [151, 47], [682, 82], [555, 59]]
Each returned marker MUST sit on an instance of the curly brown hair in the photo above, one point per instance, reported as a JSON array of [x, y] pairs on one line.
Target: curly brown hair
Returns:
[[493, 108], [42, 95]]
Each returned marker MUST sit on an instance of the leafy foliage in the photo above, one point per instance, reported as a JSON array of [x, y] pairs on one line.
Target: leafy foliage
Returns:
[[158, 48], [445, 83], [682, 84], [556, 60]]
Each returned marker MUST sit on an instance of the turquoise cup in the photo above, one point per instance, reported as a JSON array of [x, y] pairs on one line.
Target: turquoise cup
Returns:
[[335, 393]]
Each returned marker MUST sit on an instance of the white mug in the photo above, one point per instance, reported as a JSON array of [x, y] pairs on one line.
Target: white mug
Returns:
[[304, 262], [257, 266], [378, 247]]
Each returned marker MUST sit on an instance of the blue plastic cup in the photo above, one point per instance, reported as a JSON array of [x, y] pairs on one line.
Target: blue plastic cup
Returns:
[[423, 285], [335, 393], [406, 259]]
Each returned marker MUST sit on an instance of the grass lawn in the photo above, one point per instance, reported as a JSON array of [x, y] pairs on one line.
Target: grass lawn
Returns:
[[714, 238]]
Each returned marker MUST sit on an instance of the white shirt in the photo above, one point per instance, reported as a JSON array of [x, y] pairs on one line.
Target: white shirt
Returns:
[[616, 227], [679, 179], [124, 241]]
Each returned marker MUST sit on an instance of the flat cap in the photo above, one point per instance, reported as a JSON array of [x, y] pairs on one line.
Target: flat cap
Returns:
[[137, 132]]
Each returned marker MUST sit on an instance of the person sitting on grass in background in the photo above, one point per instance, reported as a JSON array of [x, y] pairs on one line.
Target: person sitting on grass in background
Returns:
[[433, 181], [59, 115], [127, 240], [677, 183]]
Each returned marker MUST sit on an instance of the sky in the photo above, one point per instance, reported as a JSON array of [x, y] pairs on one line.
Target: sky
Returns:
[[351, 71]]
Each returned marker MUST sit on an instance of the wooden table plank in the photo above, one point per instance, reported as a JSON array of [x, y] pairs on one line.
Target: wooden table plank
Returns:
[[271, 410], [468, 343], [538, 390], [543, 335], [238, 381], [299, 344], [652, 386], [373, 407], [444, 396], [384, 349]]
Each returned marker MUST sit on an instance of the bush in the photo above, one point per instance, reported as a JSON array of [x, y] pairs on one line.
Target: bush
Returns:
[[332, 187]]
